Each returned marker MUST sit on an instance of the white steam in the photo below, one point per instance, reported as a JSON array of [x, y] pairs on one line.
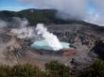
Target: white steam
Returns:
[[20, 28], [19, 22], [14, 22], [49, 38], [23, 32], [3, 24]]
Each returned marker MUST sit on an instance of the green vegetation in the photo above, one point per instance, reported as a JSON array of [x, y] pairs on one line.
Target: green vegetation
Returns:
[[25, 70], [95, 70], [99, 48], [5, 71], [53, 69], [34, 16]]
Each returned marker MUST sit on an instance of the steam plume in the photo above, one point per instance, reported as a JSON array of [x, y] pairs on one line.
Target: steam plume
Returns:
[[19, 22], [23, 33], [2, 23], [49, 38], [14, 22]]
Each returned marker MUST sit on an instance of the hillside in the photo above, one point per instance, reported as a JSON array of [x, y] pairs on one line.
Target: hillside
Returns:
[[47, 16], [34, 16]]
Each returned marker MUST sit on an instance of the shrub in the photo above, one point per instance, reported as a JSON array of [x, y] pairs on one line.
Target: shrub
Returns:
[[95, 70], [55, 69], [26, 70], [5, 71]]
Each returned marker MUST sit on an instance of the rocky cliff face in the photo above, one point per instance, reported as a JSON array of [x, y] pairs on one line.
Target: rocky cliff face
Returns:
[[79, 35], [82, 37]]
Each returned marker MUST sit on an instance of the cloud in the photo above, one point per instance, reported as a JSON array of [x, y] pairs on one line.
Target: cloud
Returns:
[[99, 5], [72, 7], [97, 17], [75, 8]]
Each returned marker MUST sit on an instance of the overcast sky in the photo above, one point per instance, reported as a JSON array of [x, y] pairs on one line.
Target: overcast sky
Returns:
[[88, 10]]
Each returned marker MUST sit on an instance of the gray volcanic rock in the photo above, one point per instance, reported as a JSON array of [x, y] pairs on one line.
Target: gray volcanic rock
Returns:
[[81, 36]]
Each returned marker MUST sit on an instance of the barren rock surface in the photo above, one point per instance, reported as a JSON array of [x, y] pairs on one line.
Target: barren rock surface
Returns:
[[81, 37]]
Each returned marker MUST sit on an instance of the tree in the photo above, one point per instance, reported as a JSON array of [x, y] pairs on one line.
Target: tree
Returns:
[[26, 70], [5, 71], [56, 69], [99, 48], [95, 70]]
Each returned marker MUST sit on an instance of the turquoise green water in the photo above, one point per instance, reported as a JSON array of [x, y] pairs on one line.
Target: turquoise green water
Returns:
[[43, 45]]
